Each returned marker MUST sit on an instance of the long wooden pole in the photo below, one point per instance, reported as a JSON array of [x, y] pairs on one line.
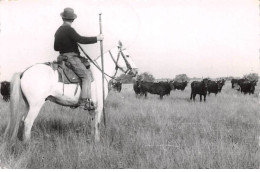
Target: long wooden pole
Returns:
[[102, 64]]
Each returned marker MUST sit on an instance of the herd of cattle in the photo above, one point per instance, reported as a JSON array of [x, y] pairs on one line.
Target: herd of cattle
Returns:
[[202, 88], [244, 85], [141, 88]]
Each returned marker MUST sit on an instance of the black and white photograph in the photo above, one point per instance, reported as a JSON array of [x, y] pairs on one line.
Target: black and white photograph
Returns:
[[129, 84]]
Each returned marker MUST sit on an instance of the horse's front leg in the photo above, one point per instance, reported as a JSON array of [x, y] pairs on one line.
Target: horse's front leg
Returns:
[[95, 123]]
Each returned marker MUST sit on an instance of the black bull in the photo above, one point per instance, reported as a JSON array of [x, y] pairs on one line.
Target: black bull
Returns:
[[214, 87], [235, 82], [248, 87], [179, 85], [117, 86], [200, 88], [137, 88], [160, 88], [5, 90]]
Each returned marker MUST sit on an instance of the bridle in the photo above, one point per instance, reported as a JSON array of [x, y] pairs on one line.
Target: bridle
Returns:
[[129, 68]]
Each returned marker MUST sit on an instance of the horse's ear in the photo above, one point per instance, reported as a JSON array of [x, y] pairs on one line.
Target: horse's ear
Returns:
[[120, 45]]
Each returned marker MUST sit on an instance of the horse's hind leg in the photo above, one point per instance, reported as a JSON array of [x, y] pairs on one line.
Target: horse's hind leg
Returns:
[[29, 120], [21, 124]]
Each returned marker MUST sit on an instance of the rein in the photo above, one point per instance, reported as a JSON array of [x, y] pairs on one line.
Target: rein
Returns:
[[115, 61]]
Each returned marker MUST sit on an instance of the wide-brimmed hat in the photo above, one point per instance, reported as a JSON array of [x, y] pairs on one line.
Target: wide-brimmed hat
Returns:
[[68, 13]]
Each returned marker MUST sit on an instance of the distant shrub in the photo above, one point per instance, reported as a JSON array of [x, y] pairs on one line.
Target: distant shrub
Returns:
[[252, 76], [146, 77], [181, 78]]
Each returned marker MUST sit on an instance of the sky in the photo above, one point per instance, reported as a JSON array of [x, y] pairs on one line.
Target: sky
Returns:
[[200, 38]]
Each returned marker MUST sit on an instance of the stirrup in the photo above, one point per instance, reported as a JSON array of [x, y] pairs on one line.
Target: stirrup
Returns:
[[87, 104]]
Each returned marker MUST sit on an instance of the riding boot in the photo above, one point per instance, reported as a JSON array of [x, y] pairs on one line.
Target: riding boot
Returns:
[[87, 104]]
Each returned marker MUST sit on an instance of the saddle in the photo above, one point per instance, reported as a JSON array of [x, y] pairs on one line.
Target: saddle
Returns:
[[64, 68], [65, 73]]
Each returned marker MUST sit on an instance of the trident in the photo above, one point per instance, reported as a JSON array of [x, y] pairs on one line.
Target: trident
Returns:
[[102, 64]]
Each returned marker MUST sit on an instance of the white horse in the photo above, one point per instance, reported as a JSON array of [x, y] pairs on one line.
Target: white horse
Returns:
[[40, 83]]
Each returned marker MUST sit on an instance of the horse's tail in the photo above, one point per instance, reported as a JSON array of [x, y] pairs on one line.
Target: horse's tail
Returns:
[[16, 99]]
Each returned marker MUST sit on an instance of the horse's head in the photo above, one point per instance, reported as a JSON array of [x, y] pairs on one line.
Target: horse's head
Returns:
[[125, 63]]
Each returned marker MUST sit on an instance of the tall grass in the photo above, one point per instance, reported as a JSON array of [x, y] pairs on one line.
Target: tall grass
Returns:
[[143, 133]]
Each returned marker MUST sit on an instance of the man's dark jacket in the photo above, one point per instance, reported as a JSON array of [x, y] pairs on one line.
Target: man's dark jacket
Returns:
[[66, 39]]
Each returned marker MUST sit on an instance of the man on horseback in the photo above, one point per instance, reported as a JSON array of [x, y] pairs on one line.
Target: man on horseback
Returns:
[[66, 39]]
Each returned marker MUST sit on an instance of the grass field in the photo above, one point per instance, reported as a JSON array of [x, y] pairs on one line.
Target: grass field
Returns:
[[144, 133]]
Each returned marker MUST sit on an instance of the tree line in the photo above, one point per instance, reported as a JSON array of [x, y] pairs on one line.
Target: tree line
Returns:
[[148, 77]]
